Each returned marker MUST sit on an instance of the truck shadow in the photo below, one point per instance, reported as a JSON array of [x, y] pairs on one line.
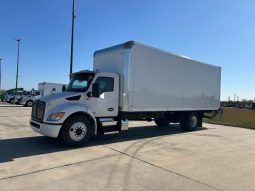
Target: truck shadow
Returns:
[[11, 149]]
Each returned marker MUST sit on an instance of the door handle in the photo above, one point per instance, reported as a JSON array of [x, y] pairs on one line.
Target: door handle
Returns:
[[110, 109]]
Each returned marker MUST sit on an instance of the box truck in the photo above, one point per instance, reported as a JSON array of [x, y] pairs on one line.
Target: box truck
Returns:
[[47, 88], [130, 81]]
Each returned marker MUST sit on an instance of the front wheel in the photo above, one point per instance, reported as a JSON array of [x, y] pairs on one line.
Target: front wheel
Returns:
[[29, 103], [76, 131]]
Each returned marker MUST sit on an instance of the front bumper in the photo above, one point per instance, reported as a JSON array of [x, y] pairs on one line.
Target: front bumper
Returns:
[[50, 130]]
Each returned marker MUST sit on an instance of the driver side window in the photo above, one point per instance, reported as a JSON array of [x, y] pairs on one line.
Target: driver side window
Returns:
[[106, 84]]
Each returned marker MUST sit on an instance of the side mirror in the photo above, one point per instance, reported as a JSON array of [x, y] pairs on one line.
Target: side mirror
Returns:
[[53, 91], [95, 90], [63, 88]]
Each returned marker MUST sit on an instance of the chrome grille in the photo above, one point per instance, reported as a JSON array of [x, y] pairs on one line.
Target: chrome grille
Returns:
[[38, 110]]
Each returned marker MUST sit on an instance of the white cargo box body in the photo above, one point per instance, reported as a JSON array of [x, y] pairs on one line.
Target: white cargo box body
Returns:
[[155, 80], [46, 88]]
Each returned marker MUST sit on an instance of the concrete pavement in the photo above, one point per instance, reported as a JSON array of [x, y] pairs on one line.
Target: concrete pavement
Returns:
[[144, 158]]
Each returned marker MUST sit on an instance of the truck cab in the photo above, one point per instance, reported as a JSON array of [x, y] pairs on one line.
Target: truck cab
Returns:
[[75, 113], [17, 97], [9, 97]]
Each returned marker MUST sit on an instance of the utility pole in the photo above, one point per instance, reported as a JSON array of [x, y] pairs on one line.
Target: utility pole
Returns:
[[237, 102], [234, 101], [17, 72], [72, 33], [0, 73]]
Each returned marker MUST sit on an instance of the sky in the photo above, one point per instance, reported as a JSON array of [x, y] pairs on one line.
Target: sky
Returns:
[[219, 32]]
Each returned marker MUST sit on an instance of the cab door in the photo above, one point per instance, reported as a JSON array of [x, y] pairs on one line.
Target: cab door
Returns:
[[106, 105]]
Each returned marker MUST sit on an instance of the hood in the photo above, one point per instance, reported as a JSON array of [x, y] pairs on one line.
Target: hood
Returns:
[[59, 95], [62, 97]]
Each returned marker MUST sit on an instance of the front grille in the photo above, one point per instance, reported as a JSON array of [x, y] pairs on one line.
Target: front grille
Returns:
[[38, 110]]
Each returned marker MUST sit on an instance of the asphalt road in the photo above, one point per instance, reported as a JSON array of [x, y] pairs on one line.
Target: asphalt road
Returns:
[[144, 158]]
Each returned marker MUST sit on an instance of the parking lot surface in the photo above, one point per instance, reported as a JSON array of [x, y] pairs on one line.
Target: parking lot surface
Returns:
[[146, 157]]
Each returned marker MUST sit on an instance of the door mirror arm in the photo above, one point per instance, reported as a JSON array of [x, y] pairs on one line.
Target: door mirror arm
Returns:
[[89, 94]]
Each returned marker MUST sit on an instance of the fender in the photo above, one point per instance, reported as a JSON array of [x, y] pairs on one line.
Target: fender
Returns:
[[70, 109]]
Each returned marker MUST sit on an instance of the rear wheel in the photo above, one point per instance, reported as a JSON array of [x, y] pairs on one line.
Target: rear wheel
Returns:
[[190, 121], [77, 130], [162, 122]]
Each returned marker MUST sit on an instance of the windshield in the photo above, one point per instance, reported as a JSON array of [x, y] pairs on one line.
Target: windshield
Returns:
[[80, 83]]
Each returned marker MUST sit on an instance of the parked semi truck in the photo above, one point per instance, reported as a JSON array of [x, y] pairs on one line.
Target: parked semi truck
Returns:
[[18, 97], [130, 81], [44, 89], [28, 98], [9, 94]]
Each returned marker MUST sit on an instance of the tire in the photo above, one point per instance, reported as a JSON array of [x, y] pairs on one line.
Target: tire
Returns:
[[190, 121], [76, 131], [29, 103], [10, 100], [162, 122]]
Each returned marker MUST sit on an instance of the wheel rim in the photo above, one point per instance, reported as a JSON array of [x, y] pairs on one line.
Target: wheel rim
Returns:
[[77, 131], [193, 121], [30, 103]]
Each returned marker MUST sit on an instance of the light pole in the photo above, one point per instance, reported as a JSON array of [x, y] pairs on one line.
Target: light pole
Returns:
[[17, 72], [72, 33], [0, 73], [234, 101]]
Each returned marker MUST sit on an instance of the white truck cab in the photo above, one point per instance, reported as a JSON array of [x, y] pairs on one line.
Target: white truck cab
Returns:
[[130, 81], [18, 96], [89, 95], [27, 99], [9, 97]]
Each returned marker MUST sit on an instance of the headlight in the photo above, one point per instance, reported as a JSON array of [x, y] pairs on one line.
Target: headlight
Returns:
[[56, 116]]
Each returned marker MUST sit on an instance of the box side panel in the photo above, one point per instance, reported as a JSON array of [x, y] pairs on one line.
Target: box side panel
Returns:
[[48, 87], [156, 80], [202, 86], [161, 81]]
